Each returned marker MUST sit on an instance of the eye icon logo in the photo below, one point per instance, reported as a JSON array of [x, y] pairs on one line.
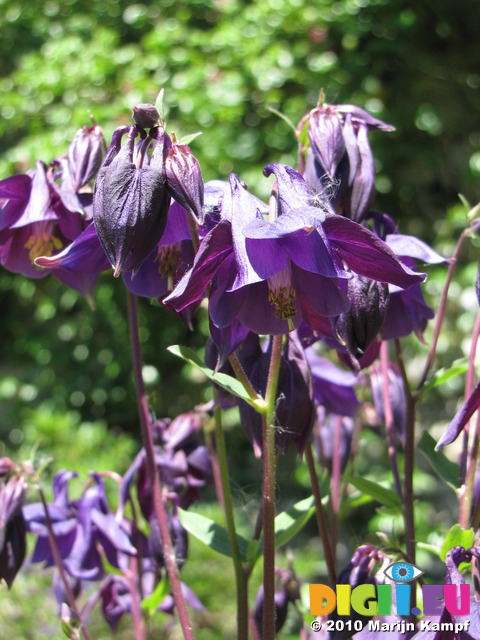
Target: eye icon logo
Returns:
[[403, 572]]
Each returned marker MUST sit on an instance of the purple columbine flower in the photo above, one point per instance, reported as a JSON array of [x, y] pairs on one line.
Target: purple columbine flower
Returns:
[[286, 591], [80, 527], [182, 462], [268, 275], [13, 542], [35, 219], [339, 158], [130, 202], [80, 264]]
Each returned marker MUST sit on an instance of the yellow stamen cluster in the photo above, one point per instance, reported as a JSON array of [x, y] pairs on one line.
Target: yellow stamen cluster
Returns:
[[168, 259], [42, 244], [283, 300]]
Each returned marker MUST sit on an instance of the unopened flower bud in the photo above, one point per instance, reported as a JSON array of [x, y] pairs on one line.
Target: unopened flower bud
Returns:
[[12, 528], [85, 155], [146, 115], [184, 179], [358, 327], [130, 203]]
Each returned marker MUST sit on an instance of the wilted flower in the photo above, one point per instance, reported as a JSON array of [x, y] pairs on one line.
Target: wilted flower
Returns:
[[12, 528], [130, 202]]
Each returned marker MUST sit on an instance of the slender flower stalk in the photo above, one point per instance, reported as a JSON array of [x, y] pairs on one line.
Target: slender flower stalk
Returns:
[[59, 564], [159, 508], [389, 421], [320, 515], [468, 391], [441, 311], [268, 423], [408, 496], [138, 622], [240, 578], [242, 376]]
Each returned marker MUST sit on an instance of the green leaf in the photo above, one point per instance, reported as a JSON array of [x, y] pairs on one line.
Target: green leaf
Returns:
[[230, 384], [383, 495], [153, 600], [446, 373], [445, 468], [457, 537], [288, 523], [211, 533], [160, 105], [189, 138]]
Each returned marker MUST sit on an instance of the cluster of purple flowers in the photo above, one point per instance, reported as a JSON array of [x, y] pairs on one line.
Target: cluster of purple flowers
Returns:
[[315, 264], [90, 536]]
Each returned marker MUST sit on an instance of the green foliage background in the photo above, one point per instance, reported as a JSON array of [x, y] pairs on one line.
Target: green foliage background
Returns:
[[65, 374]]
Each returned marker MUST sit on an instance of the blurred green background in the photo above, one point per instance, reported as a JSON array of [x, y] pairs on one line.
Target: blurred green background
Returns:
[[65, 373]]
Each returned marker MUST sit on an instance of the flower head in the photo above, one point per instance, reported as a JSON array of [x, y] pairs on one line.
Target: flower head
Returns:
[[130, 203], [12, 528]]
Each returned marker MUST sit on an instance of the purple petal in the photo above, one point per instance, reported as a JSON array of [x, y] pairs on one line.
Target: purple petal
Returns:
[[14, 195], [366, 254], [462, 417], [322, 295], [39, 207], [214, 249], [412, 247]]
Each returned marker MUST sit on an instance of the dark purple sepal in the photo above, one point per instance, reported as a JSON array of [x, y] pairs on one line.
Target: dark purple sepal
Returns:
[[85, 155], [462, 417], [184, 180]]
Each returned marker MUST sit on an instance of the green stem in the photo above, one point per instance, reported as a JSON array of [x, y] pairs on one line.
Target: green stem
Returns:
[[268, 424], [240, 580]]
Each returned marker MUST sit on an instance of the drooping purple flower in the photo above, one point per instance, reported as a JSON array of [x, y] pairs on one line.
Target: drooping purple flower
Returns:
[[130, 203], [182, 462], [333, 386], [178, 536], [339, 158], [35, 220], [80, 527], [80, 264], [13, 542], [267, 275]]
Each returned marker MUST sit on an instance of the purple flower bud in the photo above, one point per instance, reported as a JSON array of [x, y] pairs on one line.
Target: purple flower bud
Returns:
[[85, 155], [358, 327], [184, 180], [59, 590], [12, 528], [6, 466], [286, 590], [146, 115], [179, 540], [130, 203], [324, 438]]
